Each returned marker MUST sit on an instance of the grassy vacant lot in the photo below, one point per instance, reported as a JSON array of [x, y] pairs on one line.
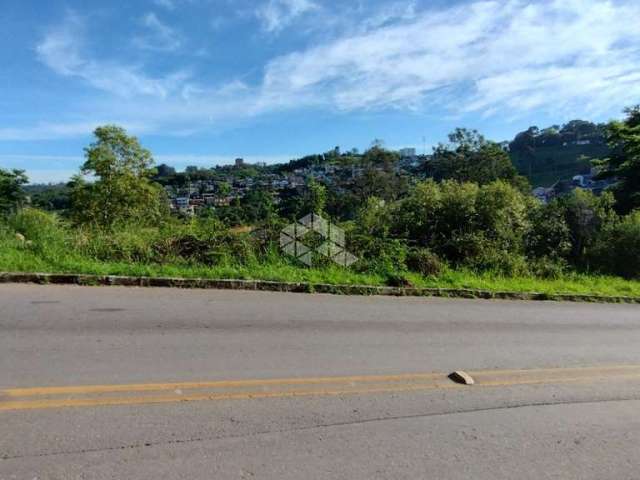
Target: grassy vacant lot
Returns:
[[17, 258]]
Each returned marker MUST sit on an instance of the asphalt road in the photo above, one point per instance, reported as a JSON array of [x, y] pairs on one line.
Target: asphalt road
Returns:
[[158, 383]]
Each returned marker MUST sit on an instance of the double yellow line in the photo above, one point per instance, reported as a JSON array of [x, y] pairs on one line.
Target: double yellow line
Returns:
[[158, 393]]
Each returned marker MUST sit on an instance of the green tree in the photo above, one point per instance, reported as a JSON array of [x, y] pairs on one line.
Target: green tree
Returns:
[[549, 235], [464, 223], [469, 157], [617, 249], [122, 191], [315, 198], [12, 195], [223, 189], [586, 215], [624, 162], [50, 197], [257, 206]]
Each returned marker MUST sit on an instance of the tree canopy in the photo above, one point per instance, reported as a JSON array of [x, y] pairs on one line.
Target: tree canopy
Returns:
[[122, 190], [624, 161], [469, 157], [12, 194]]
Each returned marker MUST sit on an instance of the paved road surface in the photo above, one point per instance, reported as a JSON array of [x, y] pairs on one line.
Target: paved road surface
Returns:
[[96, 383]]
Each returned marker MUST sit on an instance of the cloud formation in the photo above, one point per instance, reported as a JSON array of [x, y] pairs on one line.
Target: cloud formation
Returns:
[[487, 57], [63, 50], [168, 4], [278, 14], [496, 55], [159, 36]]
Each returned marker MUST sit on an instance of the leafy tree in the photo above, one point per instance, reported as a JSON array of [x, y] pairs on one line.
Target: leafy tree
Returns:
[[469, 157], [586, 215], [122, 191], [380, 157], [549, 235], [315, 198], [12, 194], [617, 249], [387, 185], [50, 197], [223, 189], [371, 239], [624, 162], [257, 206], [165, 170], [464, 223]]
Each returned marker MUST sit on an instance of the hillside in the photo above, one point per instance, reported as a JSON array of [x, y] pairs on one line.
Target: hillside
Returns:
[[558, 152]]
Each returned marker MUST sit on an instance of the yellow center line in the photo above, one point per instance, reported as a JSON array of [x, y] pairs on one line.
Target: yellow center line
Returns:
[[88, 402], [148, 387], [295, 387]]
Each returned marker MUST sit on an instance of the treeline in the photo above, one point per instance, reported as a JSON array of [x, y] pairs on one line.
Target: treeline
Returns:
[[474, 212], [558, 152]]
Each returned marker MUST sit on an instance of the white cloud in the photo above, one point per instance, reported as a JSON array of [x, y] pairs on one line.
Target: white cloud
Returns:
[[168, 4], [496, 58], [278, 14], [62, 50], [43, 168], [159, 36], [48, 131], [507, 55]]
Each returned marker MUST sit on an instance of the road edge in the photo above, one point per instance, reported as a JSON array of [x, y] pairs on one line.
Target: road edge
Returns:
[[297, 287]]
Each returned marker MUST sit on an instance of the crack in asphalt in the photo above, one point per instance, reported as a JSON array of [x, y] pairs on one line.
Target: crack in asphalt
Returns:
[[313, 427]]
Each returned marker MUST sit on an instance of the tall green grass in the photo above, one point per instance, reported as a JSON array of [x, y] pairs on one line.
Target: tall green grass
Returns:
[[53, 248]]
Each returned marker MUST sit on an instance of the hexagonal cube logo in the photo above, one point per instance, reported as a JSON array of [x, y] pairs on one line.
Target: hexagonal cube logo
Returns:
[[332, 241]]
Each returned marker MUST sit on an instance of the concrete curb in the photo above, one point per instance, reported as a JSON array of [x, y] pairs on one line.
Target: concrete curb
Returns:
[[302, 287]]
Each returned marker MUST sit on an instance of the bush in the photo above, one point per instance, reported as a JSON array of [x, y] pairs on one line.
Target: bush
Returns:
[[128, 244], [465, 224], [378, 255], [551, 268], [498, 262], [424, 261], [549, 236], [586, 216], [394, 279], [200, 241], [370, 240], [44, 230], [617, 249]]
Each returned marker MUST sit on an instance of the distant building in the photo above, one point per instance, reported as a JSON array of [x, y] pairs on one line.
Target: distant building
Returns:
[[239, 162], [543, 194], [407, 152], [182, 203]]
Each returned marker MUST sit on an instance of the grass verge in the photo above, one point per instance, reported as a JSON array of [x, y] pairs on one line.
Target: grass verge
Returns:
[[14, 258]]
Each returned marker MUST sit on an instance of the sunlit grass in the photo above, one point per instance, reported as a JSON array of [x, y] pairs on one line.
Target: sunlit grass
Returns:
[[15, 258]]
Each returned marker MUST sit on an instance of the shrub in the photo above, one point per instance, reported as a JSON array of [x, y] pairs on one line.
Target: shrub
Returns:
[[551, 268], [128, 244], [498, 262], [424, 261], [44, 230], [394, 279], [586, 216], [463, 223], [378, 255], [502, 216], [549, 235], [617, 249]]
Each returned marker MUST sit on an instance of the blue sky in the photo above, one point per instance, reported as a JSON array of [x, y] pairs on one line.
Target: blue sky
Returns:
[[203, 81]]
